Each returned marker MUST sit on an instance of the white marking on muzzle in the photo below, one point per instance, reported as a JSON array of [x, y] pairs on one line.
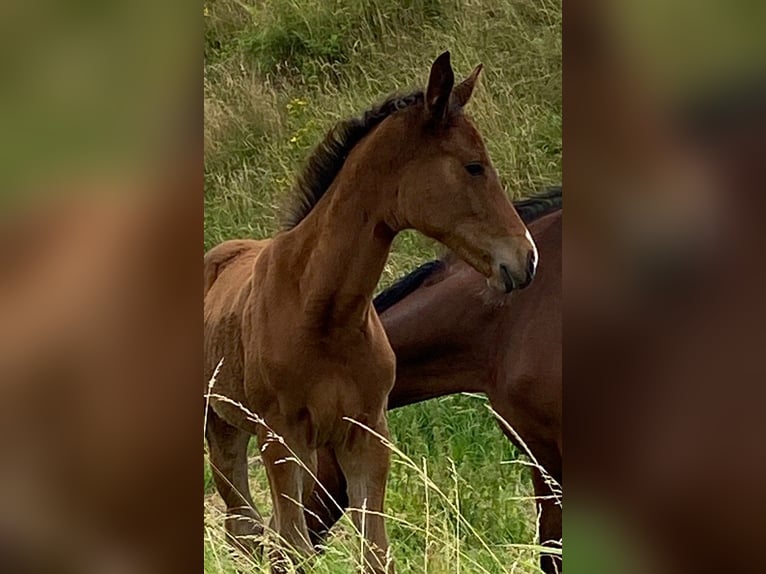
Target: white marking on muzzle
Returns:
[[528, 235]]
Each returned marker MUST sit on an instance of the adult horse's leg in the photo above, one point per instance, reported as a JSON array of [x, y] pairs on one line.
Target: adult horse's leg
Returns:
[[329, 499], [364, 461], [290, 465], [228, 458], [548, 455], [550, 522]]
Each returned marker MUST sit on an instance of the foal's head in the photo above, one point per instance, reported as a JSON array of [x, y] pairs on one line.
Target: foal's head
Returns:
[[447, 187]]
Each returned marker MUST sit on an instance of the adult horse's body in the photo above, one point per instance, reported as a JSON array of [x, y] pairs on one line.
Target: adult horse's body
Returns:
[[303, 349], [451, 334]]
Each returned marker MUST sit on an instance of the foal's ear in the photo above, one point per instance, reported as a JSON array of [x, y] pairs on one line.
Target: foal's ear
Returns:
[[462, 93], [440, 84]]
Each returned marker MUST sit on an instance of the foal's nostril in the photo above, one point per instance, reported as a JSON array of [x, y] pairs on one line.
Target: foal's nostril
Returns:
[[530, 269], [508, 281]]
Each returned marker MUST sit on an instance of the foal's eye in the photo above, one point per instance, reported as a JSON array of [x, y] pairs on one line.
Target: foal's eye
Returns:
[[475, 168]]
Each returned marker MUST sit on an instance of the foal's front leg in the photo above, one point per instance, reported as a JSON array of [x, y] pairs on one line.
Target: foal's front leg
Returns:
[[290, 465], [364, 461]]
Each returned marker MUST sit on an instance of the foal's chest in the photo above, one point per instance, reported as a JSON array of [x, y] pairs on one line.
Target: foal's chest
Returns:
[[342, 375]]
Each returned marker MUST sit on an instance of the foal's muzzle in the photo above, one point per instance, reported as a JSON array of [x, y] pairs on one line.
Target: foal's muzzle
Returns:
[[512, 283], [514, 262]]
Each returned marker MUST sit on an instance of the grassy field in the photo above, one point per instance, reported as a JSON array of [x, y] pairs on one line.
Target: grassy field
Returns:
[[278, 74]]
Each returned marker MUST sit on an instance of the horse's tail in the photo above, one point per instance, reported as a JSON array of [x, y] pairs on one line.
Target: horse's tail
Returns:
[[210, 273], [217, 257], [535, 207]]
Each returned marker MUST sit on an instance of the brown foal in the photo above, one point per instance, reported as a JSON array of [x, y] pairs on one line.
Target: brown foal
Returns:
[[302, 347]]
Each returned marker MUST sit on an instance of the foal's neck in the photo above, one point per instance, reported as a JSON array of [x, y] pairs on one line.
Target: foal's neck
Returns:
[[347, 241]]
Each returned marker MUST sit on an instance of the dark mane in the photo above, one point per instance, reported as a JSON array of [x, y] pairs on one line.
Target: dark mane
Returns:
[[534, 207], [327, 159], [529, 209], [406, 285]]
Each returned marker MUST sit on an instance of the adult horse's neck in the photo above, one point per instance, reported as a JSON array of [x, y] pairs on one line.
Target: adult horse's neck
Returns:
[[451, 334], [442, 335], [344, 243]]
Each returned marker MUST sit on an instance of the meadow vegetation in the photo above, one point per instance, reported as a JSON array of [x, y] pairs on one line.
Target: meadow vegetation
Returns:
[[278, 74]]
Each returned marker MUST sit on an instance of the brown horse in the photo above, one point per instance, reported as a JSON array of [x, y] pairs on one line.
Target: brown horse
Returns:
[[451, 335], [303, 351]]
